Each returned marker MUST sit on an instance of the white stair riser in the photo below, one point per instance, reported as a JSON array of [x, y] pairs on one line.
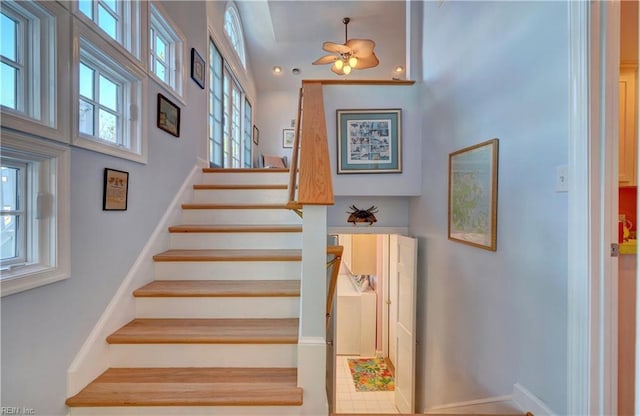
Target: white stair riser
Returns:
[[241, 307], [240, 196], [239, 178], [190, 410], [203, 355], [236, 240], [228, 270], [240, 216]]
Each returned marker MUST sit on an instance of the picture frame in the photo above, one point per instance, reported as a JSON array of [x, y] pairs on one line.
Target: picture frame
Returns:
[[473, 195], [256, 135], [369, 141], [288, 135], [115, 190], [168, 116], [197, 68]]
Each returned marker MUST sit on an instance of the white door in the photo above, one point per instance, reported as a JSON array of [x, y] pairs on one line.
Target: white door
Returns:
[[393, 297], [407, 249]]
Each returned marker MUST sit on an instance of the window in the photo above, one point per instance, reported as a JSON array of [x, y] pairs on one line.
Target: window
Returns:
[[34, 187], [233, 29], [118, 19], [108, 93], [165, 50], [230, 116], [28, 61]]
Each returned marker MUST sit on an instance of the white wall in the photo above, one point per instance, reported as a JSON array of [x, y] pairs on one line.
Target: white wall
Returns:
[[43, 328], [489, 320], [274, 112], [392, 211]]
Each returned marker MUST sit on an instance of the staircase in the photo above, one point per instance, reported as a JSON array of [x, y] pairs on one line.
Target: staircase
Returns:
[[219, 324]]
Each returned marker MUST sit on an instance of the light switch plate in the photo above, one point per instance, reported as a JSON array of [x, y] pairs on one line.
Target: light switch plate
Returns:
[[562, 178]]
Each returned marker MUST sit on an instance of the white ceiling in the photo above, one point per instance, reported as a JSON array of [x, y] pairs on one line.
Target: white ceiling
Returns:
[[289, 34]]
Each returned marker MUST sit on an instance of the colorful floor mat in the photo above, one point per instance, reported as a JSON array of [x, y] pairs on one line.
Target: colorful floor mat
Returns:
[[371, 374]]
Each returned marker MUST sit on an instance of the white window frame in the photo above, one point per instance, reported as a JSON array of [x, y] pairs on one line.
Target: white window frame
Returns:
[[234, 32], [130, 16], [216, 79], [22, 199], [160, 22], [45, 50], [132, 145], [48, 201]]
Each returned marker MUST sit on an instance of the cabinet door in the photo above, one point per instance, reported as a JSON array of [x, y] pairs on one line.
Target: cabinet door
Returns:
[[627, 128]]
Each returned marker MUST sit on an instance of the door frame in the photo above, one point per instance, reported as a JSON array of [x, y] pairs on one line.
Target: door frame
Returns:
[[592, 273]]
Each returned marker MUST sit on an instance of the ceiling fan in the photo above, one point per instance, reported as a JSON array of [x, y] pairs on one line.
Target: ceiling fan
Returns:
[[353, 54]]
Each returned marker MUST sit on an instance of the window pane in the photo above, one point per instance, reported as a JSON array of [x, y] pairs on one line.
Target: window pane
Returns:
[[108, 94], [161, 49], [161, 71], [112, 4], [106, 21], [86, 118], [86, 7], [8, 86], [9, 27], [9, 188], [108, 126], [9, 235], [86, 81]]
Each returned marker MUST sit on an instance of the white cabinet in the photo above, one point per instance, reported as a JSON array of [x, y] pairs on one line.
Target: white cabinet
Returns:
[[355, 321], [360, 252], [627, 133]]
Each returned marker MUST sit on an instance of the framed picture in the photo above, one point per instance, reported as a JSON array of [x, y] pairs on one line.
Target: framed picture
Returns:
[[168, 116], [197, 68], [287, 137], [115, 191], [473, 195], [369, 141], [256, 135]]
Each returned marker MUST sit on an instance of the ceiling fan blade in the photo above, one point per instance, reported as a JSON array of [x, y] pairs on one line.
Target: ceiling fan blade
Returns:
[[361, 48], [327, 59], [336, 71], [335, 47], [368, 61]]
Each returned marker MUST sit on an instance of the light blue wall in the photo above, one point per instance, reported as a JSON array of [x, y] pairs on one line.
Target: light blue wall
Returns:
[[43, 328], [488, 320]]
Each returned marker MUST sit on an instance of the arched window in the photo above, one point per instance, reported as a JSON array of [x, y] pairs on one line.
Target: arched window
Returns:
[[233, 28]]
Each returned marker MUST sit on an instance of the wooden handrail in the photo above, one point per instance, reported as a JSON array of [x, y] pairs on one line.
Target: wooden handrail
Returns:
[[310, 175], [336, 252]]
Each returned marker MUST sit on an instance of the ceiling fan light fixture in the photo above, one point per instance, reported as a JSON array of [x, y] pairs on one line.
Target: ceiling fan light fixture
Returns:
[[346, 69], [339, 64], [353, 61]]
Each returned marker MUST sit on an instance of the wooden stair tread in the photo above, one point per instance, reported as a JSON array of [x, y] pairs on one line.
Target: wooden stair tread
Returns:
[[210, 228], [233, 206], [207, 331], [229, 255], [191, 387], [245, 170], [238, 187], [220, 288]]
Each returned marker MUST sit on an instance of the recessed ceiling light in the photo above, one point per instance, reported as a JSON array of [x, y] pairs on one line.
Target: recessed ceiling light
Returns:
[[277, 69], [398, 69]]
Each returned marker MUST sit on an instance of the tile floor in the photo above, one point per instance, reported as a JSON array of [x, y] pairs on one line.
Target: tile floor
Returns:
[[348, 400]]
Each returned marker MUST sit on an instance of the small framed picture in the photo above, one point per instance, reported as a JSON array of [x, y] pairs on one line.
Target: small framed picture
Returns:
[[116, 188], [197, 68], [287, 138], [168, 116], [256, 135]]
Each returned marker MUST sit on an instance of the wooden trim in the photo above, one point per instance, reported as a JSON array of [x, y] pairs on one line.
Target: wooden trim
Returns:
[[358, 82], [314, 179], [293, 173], [229, 255], [235, 229], [207, 331], [219, 289]]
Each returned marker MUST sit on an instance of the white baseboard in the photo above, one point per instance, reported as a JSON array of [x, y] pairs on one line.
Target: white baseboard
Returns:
[[528, 402], [468, 407], [93, 357]]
